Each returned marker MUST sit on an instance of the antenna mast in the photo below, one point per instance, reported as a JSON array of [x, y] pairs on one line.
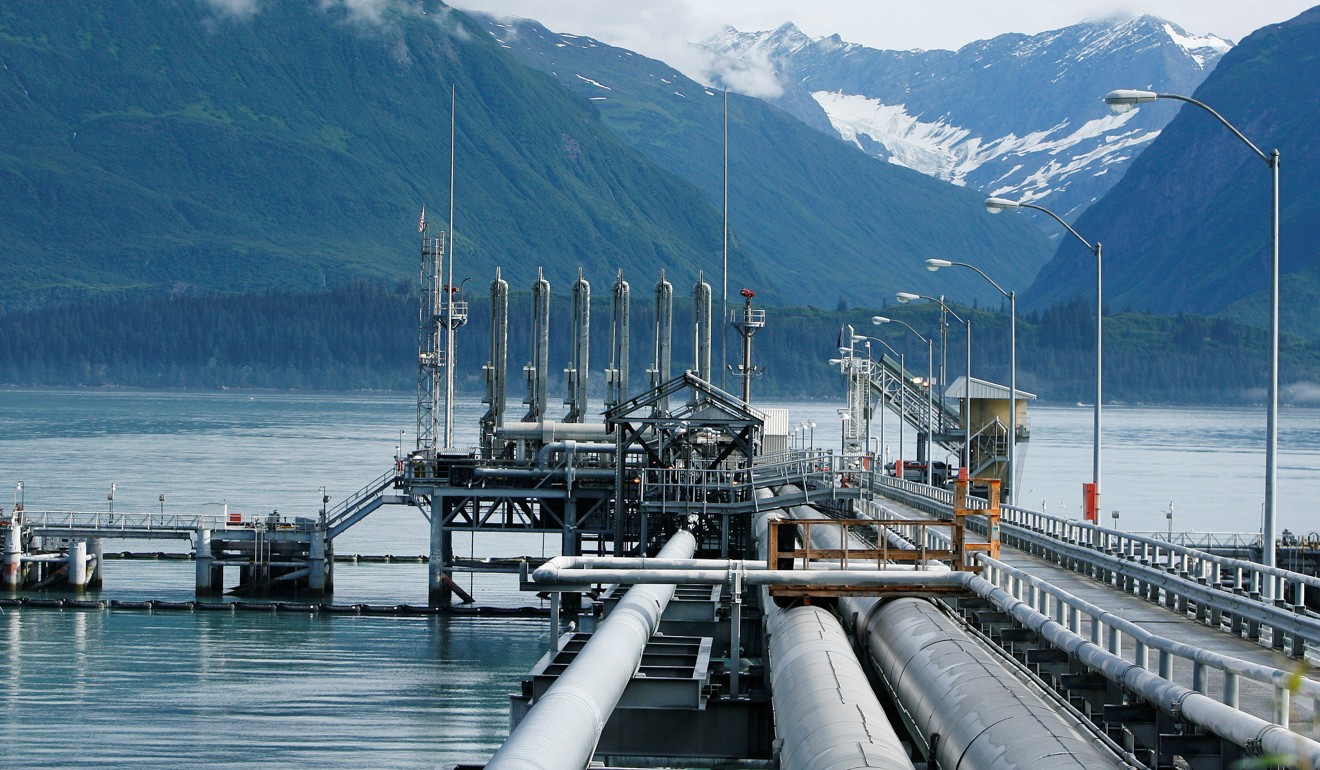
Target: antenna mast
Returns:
[[724, 285]]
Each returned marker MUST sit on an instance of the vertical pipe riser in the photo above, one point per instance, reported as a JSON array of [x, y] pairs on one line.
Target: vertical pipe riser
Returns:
[[498, 367], [664, 336], [540, 366], [577, 373], [620, 343], [701, 309]]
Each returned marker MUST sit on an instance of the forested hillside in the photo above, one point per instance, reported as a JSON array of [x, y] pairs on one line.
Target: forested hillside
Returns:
[[365, 337], [165, 145]]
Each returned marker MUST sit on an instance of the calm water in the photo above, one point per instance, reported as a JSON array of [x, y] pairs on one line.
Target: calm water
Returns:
[[111, 689]]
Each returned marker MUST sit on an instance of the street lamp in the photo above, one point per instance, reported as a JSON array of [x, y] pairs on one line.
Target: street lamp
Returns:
[[1123, 100], [997, 205], [934, 265], [880, 320], [111, 498], [906, 297]]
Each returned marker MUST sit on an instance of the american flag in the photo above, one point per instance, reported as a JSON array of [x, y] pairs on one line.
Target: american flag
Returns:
[[421, 223]]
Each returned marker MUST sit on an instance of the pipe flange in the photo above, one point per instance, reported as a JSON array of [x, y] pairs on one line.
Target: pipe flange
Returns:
[[1175, 710], [1254, 746]]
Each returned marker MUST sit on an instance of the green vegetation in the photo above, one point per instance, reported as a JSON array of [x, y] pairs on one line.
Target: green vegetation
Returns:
[[158, 147], [364, 336]]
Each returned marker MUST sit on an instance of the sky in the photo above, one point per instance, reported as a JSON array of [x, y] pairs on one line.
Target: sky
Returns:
[[661, 28]]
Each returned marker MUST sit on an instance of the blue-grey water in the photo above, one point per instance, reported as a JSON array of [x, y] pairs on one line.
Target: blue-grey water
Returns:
[[121, 689]]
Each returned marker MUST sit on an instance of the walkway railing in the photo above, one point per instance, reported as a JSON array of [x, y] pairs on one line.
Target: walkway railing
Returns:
[[105, 524], [1108, 630], [1197, 565]]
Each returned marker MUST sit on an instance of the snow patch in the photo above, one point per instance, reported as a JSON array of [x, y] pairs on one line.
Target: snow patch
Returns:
[[950, 152], [1199, 48], [594, 83]]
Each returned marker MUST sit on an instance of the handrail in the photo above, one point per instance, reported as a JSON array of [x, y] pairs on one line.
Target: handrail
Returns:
[[1283, 682], [1203, 565], [128, 522], [1110, 628], [350, 503]]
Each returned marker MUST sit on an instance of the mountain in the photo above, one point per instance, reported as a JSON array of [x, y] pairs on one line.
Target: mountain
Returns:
[[825, 222], [1188, 227], [183, 145], [1017, 115]]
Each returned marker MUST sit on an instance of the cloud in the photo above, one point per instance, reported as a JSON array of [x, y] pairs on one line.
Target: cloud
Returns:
[[665, 30], [235, 9], [1307, 393], [753, 75], [362, 11]]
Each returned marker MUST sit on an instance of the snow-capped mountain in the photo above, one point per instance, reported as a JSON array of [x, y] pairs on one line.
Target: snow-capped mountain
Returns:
[[1018, 115]]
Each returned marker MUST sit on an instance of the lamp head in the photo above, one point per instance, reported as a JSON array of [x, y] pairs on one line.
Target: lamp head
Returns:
[[880, 320], [935, 264], [996, 205], [905, 297], [1123, 100]]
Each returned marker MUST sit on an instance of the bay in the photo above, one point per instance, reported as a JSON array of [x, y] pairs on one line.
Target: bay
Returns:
[[113, 688]]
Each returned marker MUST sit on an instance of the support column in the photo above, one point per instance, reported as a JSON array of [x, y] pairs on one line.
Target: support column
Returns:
[[76, 573], [329, 566], [442, 556], [95, 570], [316, 563], [571, 545], [13, 567], [202, 555]]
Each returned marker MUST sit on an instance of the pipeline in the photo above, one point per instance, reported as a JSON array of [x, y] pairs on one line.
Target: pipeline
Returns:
[[562, 729], [552, 430], [825, 714], [1255, 735], [949, 686]]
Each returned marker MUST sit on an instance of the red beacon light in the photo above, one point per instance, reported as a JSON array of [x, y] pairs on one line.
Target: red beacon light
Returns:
[[748, 293]]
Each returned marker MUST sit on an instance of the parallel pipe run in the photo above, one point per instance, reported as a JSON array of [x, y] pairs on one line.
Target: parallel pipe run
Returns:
[[825, 711], [563, 727], [949, 687], [1251, 733]]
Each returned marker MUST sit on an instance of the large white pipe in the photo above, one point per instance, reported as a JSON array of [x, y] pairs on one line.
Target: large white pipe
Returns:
[[561, 730], [553, 430], [825, 711]]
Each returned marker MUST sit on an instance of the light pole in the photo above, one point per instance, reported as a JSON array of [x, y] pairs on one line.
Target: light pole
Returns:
[[902, 393], [880, 320], [811, 426], [111, 497], [997, 205], [935, 264], [1123, 100], [905, 297]]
